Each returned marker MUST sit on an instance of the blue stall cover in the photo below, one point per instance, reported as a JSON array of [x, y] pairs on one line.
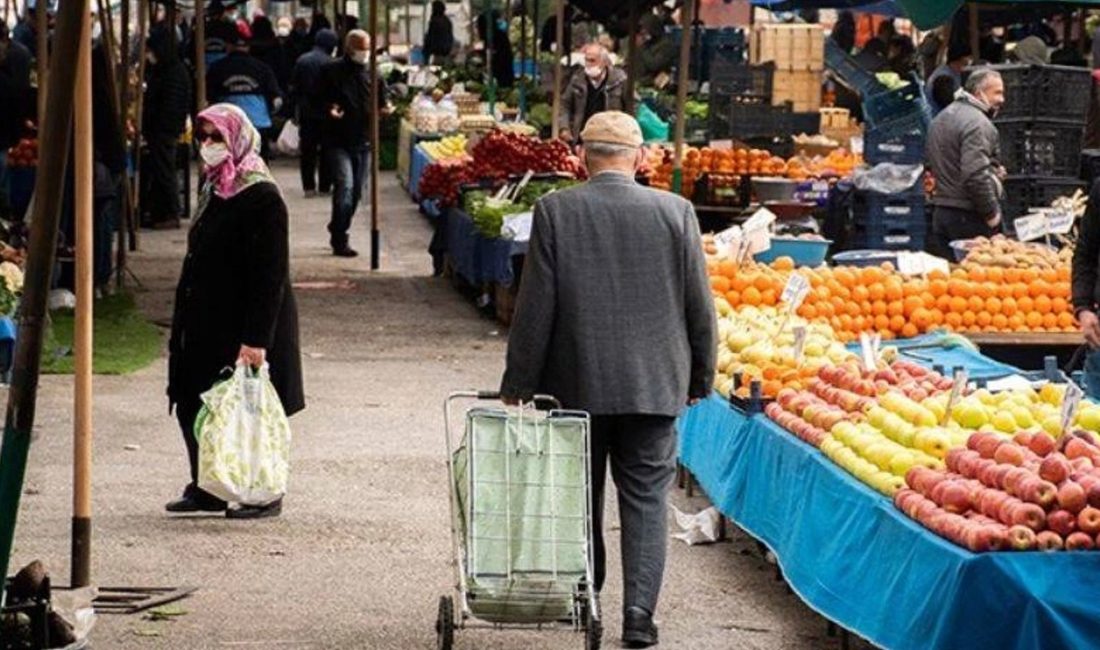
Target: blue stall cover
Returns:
[[417, 164], [925, 351], [878, 7], [857, 560], [476, 259]]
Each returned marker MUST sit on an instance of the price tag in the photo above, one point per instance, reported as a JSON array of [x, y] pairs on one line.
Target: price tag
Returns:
[[921, 263], [868, 347], [1043, 223], [729, 240], [1030, 227], [799, 342], [798, 287], [721, 145], [1060, 222], [956, 392], [761, 219], [1069, 404]]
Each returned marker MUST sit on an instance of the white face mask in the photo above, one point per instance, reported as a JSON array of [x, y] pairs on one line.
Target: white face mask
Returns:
[[283, 32], [214, 154], [360, 56], [593, 71]]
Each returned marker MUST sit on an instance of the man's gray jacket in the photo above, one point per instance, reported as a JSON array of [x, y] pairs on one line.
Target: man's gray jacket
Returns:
[[575, 98], [614, 314], [964, 152]]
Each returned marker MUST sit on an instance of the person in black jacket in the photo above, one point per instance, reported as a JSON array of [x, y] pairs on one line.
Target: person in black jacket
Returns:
[[167, 105], [249, 84], [1085, 285], [16, 104], [440, 39], [305, 83], [234, 301], [503, 62], [350, 99]]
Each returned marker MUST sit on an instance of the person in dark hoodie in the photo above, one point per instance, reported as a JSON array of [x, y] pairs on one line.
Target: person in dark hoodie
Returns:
[[440, 39], [249, 84], [305, 82], [503, 62], [167, 105]]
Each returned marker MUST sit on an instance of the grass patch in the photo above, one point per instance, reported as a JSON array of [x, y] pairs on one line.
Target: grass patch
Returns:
[[123, 340]]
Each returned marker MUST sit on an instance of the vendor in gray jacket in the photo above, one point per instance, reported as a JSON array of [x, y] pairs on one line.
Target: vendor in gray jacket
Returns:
[[615, 317], [596, 88], [964, 155]]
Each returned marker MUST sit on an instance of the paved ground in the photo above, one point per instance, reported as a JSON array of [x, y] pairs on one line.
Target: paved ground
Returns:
[[362, 552]]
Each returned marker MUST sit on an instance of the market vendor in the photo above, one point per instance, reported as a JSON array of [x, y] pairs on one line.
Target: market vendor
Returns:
[[1086, 289], [657, 51], [614, 317], [946, 80], [963, 152], [597, 88]]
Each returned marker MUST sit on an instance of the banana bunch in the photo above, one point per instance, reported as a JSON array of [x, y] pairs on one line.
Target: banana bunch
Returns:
[[452, 146]]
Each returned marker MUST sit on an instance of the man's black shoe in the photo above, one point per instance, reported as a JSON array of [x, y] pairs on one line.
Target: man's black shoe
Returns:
[[638, 629], [187, 503], [346, 251], [273, 509]]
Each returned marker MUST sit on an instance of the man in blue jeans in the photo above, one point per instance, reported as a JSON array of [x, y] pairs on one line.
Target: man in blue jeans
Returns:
[[351, 100]]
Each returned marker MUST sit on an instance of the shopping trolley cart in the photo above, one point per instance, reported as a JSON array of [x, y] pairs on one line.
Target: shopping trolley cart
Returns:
[[521, 529]]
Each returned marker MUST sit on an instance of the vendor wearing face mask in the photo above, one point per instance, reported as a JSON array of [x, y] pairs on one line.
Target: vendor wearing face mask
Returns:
[[963, 152], [597, 88], [347, 91]]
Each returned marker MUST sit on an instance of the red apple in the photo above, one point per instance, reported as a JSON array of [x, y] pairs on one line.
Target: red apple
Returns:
[[1048, 540], [955, 497], [1013, 478], [1062, 522], [1080, 542], [1088, 521], [1042, 444], [987, 447], [1072, 497], [1042, 493], [1000, 475], [951, 460], [1006, 510], [1021, 538], [975, 439], [1023, 438], [1093, 495], [1082, 464], [1077, 448], [983, 538], [1055, 468], [1027, 514], [1008, 453]]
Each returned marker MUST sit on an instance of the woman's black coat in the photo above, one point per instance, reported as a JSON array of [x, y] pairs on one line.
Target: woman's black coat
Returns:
[[235, 288]]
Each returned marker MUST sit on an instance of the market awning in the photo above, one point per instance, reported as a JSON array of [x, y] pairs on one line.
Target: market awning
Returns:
[[880, 7]]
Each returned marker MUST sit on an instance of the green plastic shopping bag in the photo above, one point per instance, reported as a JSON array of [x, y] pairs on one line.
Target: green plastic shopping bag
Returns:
[[244, 439]]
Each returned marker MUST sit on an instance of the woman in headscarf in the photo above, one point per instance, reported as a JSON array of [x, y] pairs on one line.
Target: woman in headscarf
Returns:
[[234, 302]]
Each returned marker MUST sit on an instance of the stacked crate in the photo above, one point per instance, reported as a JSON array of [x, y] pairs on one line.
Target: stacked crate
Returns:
[[888, 221], [798, 52], [1041, 130]]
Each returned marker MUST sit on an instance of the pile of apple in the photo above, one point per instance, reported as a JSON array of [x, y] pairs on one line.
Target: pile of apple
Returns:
[[1030, 492]]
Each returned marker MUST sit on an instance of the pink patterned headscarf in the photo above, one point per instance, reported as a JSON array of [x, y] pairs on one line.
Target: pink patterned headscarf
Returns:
[[244, 167]]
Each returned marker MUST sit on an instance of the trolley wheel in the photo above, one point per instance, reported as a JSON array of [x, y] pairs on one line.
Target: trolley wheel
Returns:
[[445, 624]]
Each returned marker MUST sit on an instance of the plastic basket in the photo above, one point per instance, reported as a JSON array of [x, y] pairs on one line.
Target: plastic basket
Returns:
[[850, 72], [865, 257], [732, 78], [904, 149], [888, 221], [1047, 92], [804, 252], [1041, 148], [889, 106]]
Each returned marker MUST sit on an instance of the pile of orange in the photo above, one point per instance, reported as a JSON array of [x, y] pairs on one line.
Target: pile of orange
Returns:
[[877, 299]]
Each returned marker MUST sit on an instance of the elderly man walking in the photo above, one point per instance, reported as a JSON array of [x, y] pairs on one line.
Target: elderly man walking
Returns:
[[596, 88], [615, 317], [964, 154]]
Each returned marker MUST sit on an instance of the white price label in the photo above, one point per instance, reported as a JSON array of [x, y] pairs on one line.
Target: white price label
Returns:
[[761, 219], [1069, 404], [1060, 222], [799, 342], [1043, 223], [921, 263], [956, 392], [758, 240], [868, 347], [729, 241], [798, 287]]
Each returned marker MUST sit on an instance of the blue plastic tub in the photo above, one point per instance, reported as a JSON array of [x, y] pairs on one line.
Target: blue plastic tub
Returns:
[[804, 252], [865, 258]]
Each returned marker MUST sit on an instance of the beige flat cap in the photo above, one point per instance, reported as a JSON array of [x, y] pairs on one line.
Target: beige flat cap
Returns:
[[613, 127]]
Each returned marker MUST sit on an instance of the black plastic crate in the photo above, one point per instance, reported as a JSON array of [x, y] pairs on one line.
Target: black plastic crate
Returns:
[[730, 78], [850, 72], [899, 239], [880, 146], [1090, 166], [907, 103], [1025, 192], [874, 207], [1045, 92], [1041, 148], [757, 120]]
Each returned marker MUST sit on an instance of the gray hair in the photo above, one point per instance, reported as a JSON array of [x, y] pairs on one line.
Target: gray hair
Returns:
[[604, 150], [605, 56], [980, 78]]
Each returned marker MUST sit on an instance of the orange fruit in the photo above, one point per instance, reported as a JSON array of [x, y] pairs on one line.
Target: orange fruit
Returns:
[[893, 289], [720, 284], [937, 287], [909, 330], [844, 276], [878, 308], [877, 291], [1064, 273], [928, 299], [1025, 304], [1038, 288], [937, 317], [769, 297], [1008, 306], [913, 303], [871, 275], [1050, 321], [1060, 289], [882, 322], [975, 304], [762, 282], [783, 263], [727, 268], [1012, 275], [995, 274], [984, 318], [1034, 319], [1049, 275], [953, 319], [1027, 276], [1019, 290], [1000, 322], [921, 318], [887, 335], [897, 323], [733, 297], [1004, 290], [853, 309], [895, 308], [740, 283], [958, 304], [860, 293], [943, 303], [993, 305], [958, 288], [937, 274], [1043, 304], [1065, 320], [751, 296], [969, 318], [1059, 305], [1016, 321], [976, 274]]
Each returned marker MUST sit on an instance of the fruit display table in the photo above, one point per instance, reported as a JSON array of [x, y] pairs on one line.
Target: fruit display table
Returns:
[[475, 259], [928, 351], [1027, 349], [856, 559], [419, 161]]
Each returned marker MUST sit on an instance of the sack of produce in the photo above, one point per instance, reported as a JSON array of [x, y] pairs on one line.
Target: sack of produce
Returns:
[[244, 439]]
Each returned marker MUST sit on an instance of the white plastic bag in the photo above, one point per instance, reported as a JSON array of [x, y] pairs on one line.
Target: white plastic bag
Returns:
[[244, 439], [287, 144]]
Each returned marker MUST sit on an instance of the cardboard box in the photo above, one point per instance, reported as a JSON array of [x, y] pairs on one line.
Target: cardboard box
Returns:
[[800, 87], [791, 47]]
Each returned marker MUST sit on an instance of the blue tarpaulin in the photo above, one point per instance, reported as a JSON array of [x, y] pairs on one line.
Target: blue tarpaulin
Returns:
[[925, 351], [853, 557], [476, 259], [417, 164]]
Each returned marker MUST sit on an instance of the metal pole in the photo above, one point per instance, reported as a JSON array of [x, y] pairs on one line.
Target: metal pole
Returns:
[[117, 93], [686, 18], [139, 112], [48, 191], [81, 565], [538, 32], [975, 37], [522, 60], [200, 53], [376, 115], [124, 61], [490, 28], [631, 56], [556, 104], [42, 56]]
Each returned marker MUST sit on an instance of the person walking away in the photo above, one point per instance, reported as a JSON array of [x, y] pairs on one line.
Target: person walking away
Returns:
[[963, 154], [221, 28], [16, 106], [626, 333], [349, 96], [234, 301], [305, 88], [503, 63], [440, 38], [301, 38], [946, 80], [167, 105], [596, 88], [249, 84], [1085, 284]]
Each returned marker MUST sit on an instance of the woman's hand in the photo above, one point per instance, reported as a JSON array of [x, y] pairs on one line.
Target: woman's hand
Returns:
[[253, 357]]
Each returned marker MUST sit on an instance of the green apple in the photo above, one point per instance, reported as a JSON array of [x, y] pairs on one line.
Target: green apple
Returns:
[[971, 415], [1088, 418], [901, 462], [1004, 422]]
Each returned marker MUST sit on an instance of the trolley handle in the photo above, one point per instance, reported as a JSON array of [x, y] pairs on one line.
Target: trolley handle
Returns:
[[541, 402]]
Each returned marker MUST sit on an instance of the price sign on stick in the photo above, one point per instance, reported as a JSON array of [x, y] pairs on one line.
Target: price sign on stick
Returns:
[[1069, 405], [729, 240], [796, 290], [799, 343], [1043, 224], [757, 230], [868, 347], [956, 392]]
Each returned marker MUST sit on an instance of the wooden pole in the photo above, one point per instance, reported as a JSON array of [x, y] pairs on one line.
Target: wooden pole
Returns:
[[81, 566], [1082, 29], [558, 72], [376, 115], [631, 56], [139, 111], [975, 36], [200, 53], [48, 191], [42, 55], [124, 62], [538, 32], [686, 18]]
